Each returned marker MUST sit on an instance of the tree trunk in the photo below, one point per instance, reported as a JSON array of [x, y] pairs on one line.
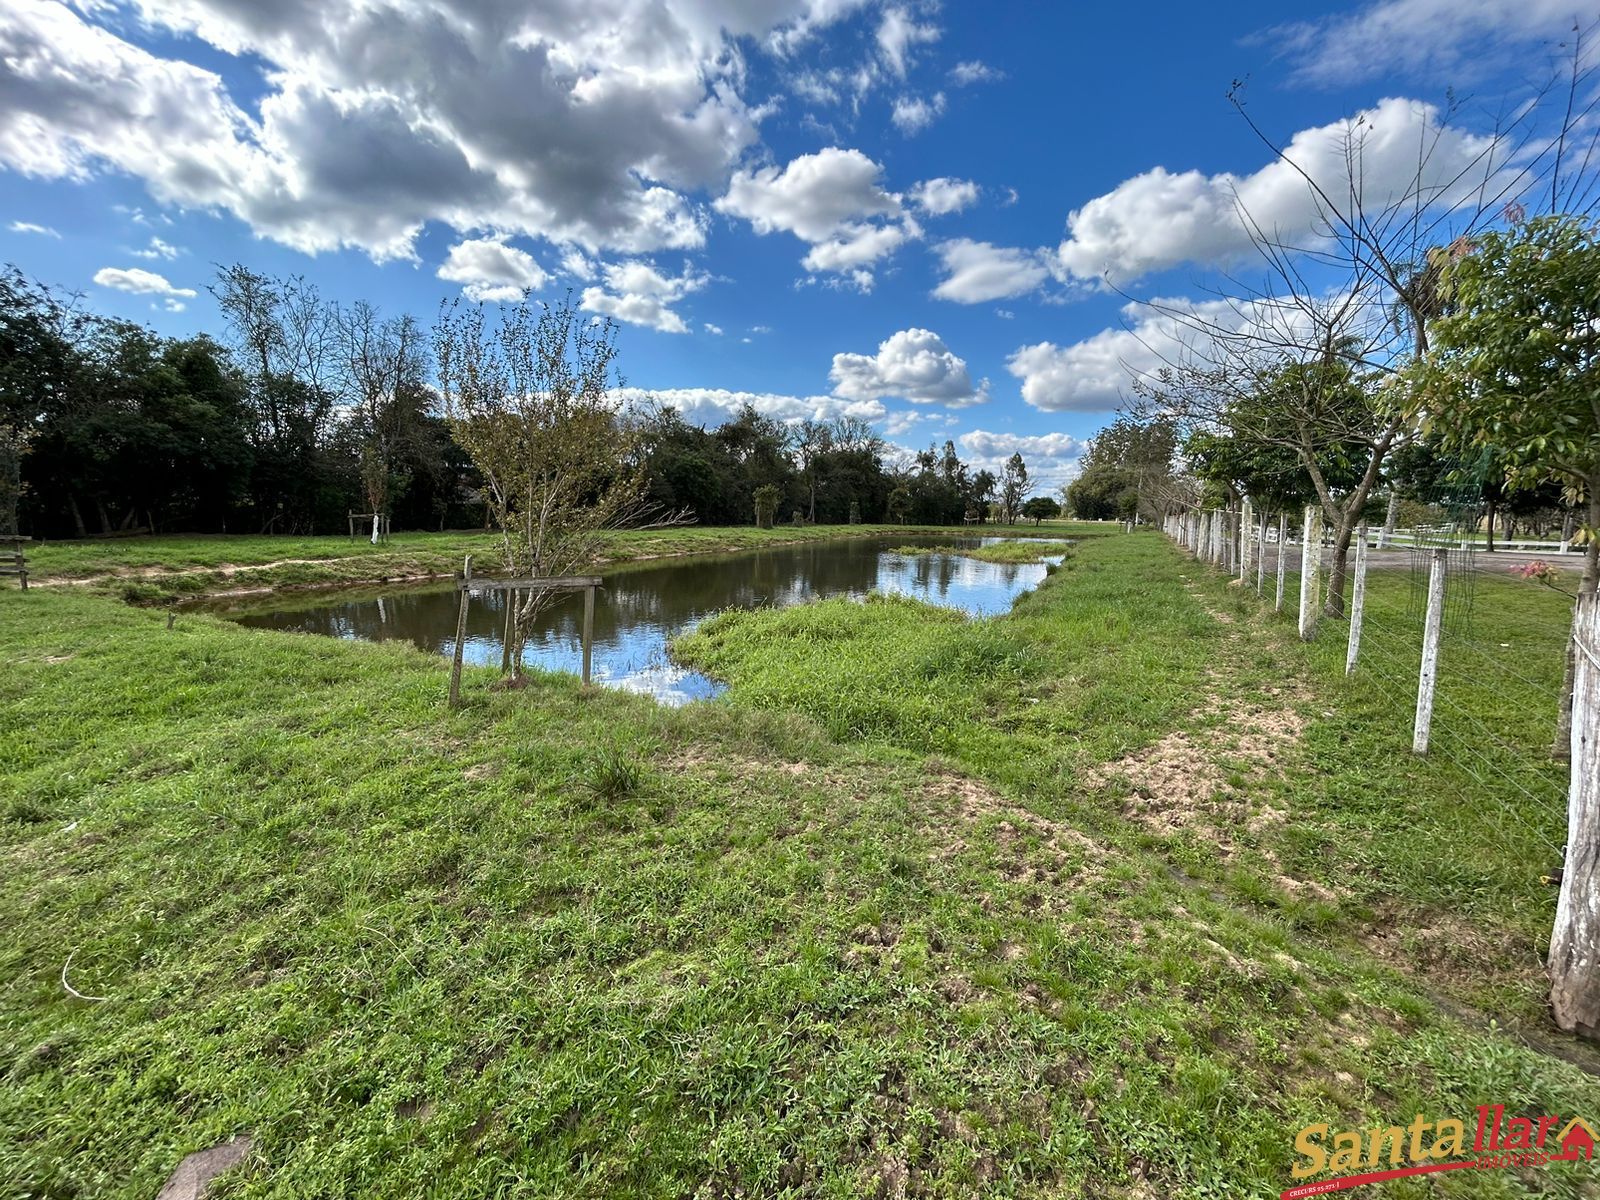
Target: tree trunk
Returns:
[[1490, 545], [1339, 569], [1561, 748], [77, 515], [1389, 519], [1575, 943]]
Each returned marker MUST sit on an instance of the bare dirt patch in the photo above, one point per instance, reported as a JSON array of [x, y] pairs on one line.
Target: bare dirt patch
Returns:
[[1201, 782], [1050, 860]]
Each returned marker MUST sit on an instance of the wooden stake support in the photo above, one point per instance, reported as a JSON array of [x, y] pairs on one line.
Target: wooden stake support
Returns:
[[469, 587]]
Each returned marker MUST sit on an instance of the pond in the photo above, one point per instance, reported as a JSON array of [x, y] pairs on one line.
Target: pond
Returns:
[[644, 606]]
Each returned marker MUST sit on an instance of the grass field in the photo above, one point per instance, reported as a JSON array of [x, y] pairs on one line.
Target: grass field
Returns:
[[1106, 897], [163, 569]]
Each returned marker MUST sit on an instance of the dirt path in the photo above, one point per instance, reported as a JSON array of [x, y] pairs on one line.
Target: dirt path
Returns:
[[1204, 782], [159, 572]]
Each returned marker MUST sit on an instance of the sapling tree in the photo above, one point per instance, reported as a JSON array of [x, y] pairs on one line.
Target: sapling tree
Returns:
[[530, 398]]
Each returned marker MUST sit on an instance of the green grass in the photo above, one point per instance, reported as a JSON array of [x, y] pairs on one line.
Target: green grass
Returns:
[[998, 552], [873, 924]]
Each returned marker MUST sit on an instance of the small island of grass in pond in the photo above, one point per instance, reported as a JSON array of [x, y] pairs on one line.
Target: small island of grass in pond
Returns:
[[998, 552]]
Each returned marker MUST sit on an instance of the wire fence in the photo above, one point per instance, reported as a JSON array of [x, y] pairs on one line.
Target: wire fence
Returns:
[[1471, 659]]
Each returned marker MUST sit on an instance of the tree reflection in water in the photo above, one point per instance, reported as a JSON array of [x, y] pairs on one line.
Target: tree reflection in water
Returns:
[[646, 605]]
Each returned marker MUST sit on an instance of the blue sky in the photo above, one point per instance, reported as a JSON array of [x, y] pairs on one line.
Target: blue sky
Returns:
[[905, 211]]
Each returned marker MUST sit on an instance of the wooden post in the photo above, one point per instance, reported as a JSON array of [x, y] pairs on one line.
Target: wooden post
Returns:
[[461, 634], [1310, 562], [1575, 943], [588, 631], [1358, 601], [1428, 677], [510, 631], [1247, 534]]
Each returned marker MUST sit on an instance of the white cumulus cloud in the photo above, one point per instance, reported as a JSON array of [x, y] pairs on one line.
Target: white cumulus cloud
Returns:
[[639, 294], [592, 124], [834, 200], [712, 406], [139, 281], [913, 365], [978, 271], [1161, 219], [938, 197], [490, 271], [1093, 375], [913, 114]]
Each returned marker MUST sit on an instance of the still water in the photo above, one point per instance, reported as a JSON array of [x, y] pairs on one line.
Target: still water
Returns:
[[644, 606]]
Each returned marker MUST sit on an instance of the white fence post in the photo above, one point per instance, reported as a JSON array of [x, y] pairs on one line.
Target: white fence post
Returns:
[[1261, 554], [1283, 549], [1428, 677], [1358, 601], [1247, 534], [1575, 943], [1310, 561]]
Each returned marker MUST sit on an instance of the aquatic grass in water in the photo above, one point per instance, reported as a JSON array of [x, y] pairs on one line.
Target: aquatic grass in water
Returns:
[[1009, 551]]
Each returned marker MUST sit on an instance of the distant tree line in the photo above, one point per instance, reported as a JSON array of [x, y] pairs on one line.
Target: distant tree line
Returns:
[[303, 411]]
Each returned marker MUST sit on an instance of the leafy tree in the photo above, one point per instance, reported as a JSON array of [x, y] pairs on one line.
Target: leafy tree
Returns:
[[1515, 365], [766, 502], [979, 494], [1103, 491], [1040, 508], [899, 506]]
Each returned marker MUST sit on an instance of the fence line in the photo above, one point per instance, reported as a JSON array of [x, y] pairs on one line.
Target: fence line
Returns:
[[1439, 654]]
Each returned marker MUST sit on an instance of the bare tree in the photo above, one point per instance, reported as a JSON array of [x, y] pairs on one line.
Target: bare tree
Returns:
[[810, 440], [1313, 357], [1013, 488], [384, 366]]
